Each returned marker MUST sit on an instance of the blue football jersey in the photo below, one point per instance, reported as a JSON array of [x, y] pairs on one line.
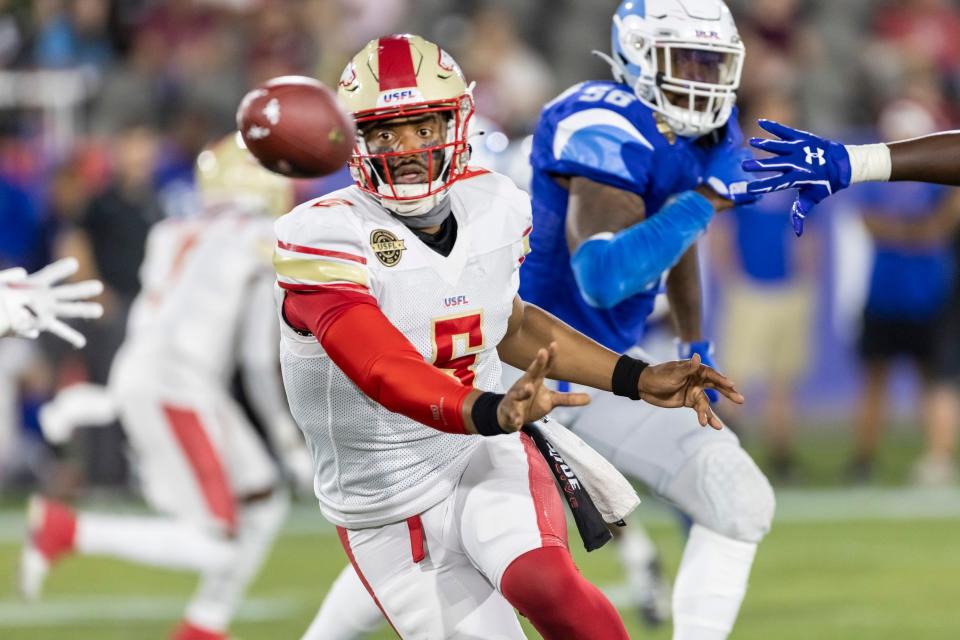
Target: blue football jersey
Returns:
[[601, 131]]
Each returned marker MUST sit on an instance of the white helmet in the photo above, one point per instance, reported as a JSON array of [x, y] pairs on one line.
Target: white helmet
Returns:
[[683, 59]]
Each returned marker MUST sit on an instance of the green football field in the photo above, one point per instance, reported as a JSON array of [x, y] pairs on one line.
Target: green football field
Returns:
[[879, 563]]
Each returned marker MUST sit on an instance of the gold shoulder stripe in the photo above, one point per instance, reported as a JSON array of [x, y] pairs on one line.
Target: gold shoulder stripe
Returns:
[[526, 245], [318, 270]]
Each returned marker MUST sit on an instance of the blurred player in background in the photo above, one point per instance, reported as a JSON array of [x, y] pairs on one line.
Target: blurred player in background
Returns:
[[204, 309], [627, 174], [399, 299], [911, 226], [817, 168], [768, 305]]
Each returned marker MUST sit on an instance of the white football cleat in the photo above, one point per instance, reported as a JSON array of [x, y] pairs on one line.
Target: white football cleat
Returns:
[[51, 529]]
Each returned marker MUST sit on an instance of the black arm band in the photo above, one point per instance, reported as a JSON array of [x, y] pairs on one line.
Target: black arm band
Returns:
[[626, 377], [484, 414]]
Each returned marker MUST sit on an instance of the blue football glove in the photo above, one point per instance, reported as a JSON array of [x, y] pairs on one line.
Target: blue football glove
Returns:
[[704, 348], [815, 166]]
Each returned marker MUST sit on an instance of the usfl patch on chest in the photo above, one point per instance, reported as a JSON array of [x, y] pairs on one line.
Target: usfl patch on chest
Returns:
[[387, 247]]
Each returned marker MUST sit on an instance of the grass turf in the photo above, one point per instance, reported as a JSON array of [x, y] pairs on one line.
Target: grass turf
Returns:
[[876, 579]]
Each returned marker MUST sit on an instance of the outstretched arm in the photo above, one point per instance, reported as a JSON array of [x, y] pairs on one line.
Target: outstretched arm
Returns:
[[380, 360], [617, 252], [818, 167], [934, 158], [580, 360]]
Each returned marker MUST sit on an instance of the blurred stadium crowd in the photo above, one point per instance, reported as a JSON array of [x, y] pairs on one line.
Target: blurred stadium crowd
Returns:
[[105, 104]]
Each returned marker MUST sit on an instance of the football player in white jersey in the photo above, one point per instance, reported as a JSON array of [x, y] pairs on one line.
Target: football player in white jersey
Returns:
[[398, 300], [205, 308]]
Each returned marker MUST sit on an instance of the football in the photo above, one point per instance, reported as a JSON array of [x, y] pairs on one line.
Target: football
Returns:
[[295, 126]]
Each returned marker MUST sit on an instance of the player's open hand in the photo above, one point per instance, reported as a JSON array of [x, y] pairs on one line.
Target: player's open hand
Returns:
[[683, 383], [528, 400], [38, 302]]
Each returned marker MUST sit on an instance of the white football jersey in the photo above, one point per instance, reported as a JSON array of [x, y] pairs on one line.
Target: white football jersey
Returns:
[[194, 283], [374, 466]]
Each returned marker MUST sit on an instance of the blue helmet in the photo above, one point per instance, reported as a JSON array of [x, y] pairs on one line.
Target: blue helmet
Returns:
[[683, 59]]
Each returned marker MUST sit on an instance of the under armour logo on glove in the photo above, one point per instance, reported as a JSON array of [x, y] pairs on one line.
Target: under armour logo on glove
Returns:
[[816, 167], [818, 156]]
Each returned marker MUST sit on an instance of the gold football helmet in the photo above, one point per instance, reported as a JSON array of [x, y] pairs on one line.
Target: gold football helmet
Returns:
[[397, 77], [228, 176]]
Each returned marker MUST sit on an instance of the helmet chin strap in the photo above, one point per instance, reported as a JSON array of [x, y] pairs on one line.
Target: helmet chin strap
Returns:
[[433, 217]]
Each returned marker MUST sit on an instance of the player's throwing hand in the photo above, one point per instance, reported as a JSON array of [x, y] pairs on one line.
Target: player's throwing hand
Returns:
[[684, 383], [528, 400]]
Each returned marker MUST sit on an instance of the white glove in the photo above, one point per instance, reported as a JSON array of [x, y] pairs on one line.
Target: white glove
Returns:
[[30, 304]]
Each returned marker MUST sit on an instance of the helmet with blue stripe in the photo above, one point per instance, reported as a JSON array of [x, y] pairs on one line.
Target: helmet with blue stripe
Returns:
[[683, 59]]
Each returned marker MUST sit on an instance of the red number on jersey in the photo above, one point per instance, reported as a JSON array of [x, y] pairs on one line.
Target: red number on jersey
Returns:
[[461, 335]]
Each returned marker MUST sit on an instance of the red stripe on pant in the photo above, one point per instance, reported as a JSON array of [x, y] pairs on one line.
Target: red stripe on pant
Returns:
[[345, 541], [205, 462], [551, 519], [415, 525]]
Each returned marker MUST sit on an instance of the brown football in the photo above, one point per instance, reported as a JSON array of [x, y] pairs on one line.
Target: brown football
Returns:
[[294, 126]]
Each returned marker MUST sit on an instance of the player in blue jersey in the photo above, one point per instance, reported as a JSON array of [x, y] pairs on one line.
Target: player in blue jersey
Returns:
[[627, 173]]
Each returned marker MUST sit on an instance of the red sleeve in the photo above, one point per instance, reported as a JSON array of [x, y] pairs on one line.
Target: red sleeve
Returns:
[[377, 357]]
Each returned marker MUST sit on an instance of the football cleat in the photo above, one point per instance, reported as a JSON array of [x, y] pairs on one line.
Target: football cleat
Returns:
[[51, 529]]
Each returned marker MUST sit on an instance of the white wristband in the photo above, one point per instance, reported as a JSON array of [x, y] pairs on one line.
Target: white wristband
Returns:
[[869, 162]]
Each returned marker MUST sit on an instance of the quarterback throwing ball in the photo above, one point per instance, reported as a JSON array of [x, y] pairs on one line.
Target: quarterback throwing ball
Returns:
[[398, 300]]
